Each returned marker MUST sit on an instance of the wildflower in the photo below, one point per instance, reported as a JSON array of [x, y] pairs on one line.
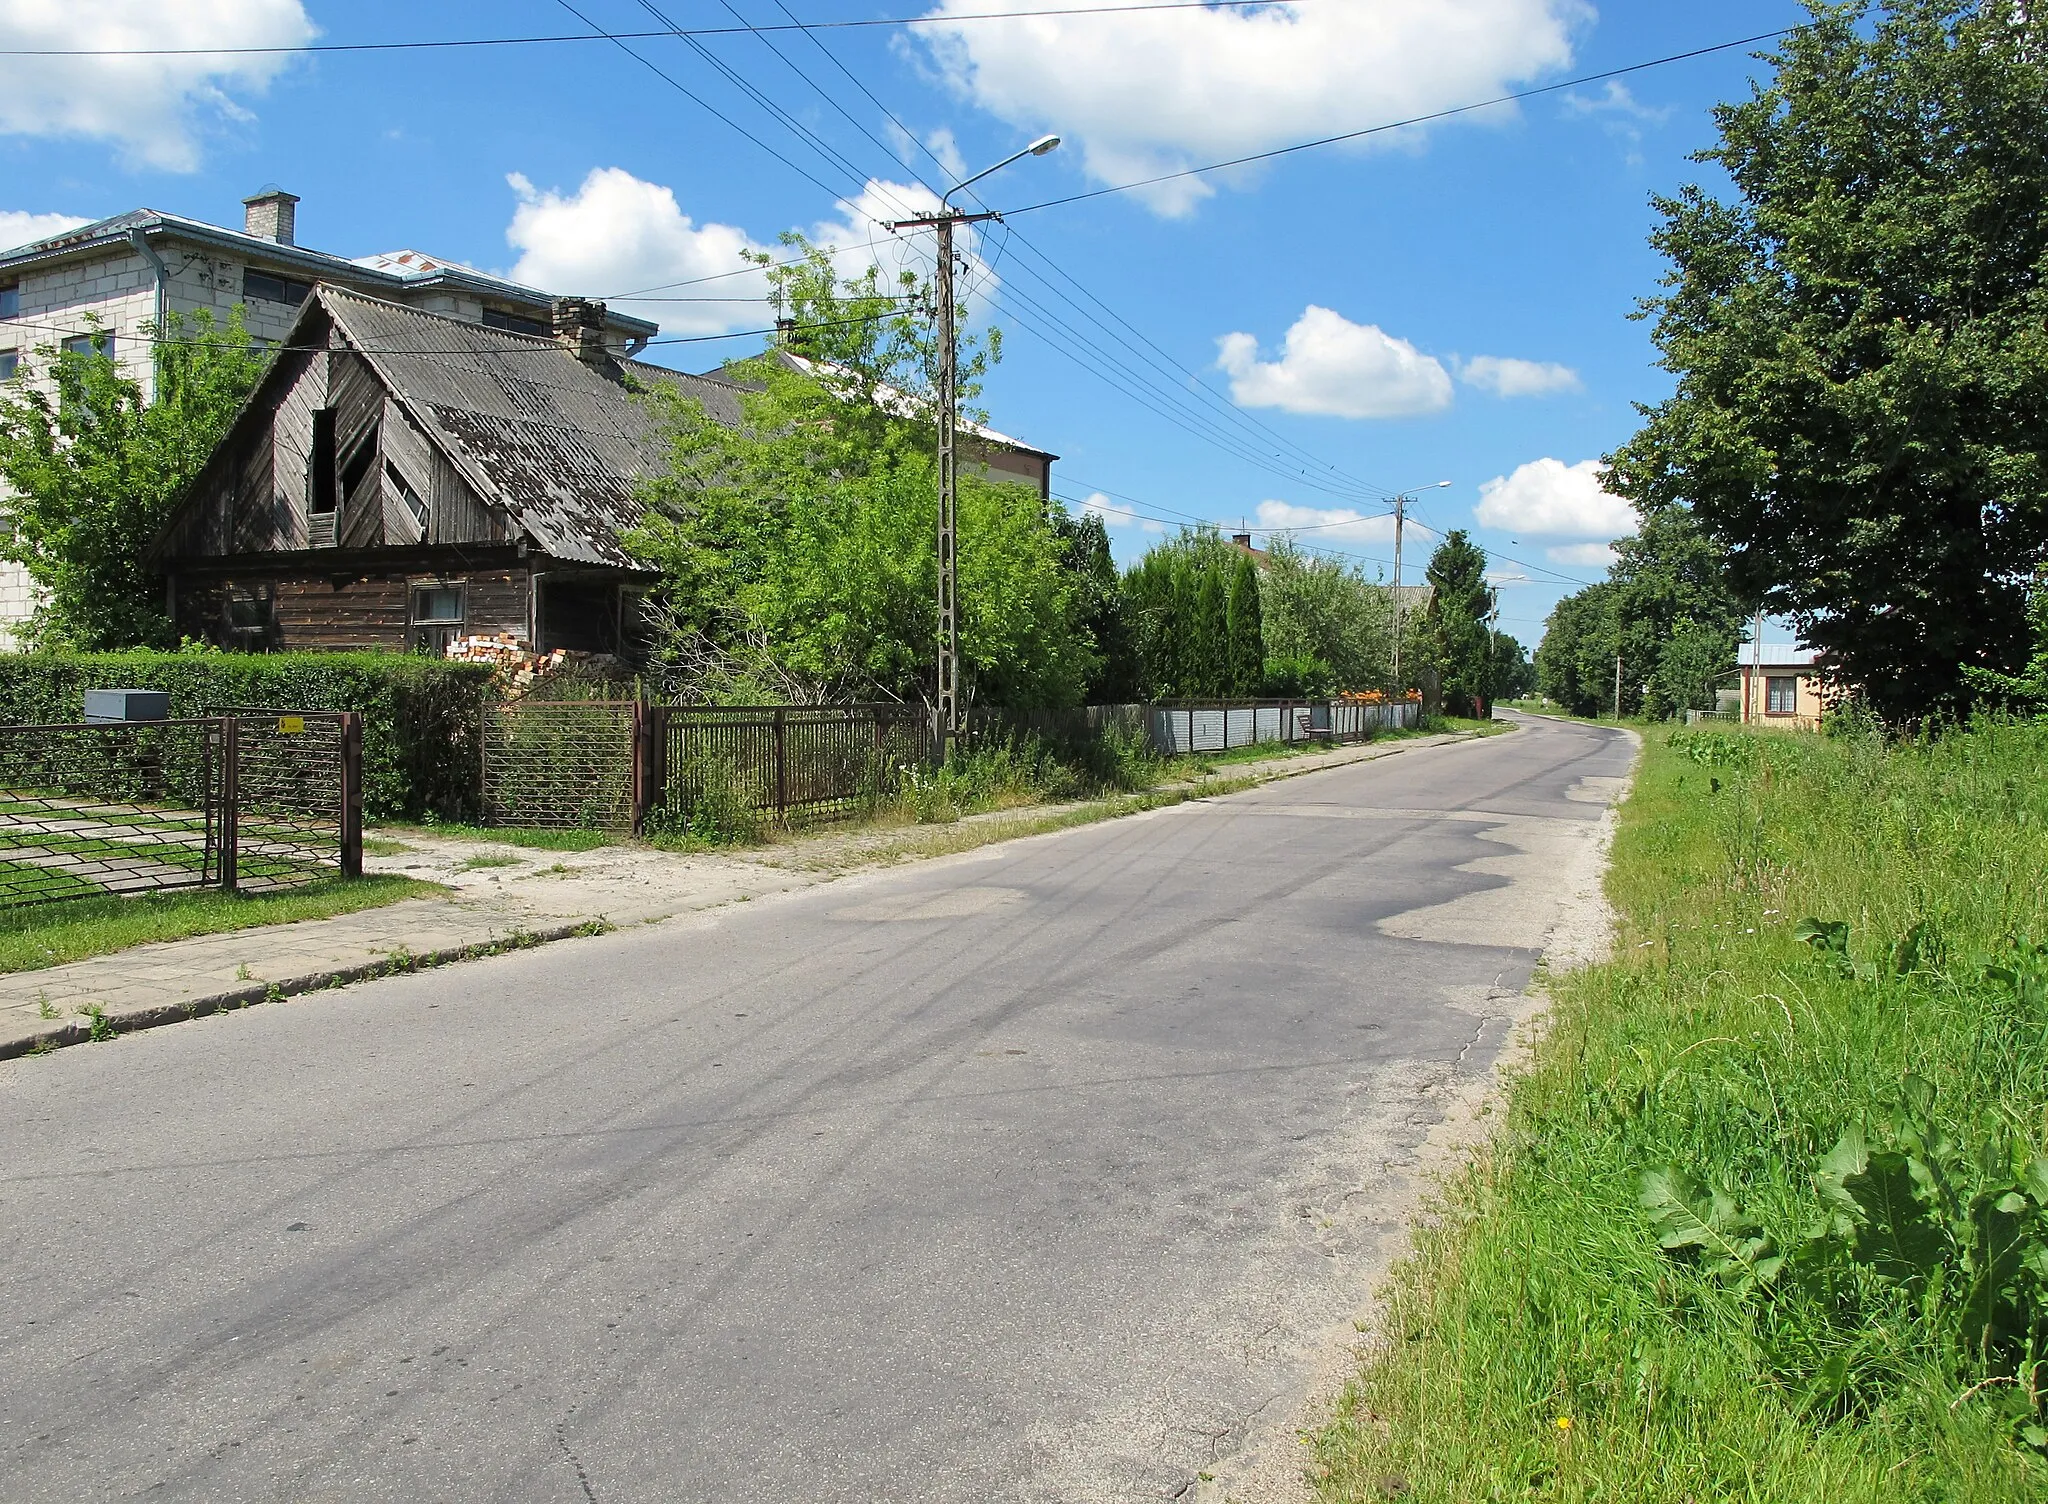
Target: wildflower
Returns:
[[1564, 1423]]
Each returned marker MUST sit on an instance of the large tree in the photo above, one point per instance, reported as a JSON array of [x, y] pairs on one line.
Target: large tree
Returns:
[[796, 549], [1860, 340], [96, 470], [1326, 625], [1677, 620], [1458, 639]]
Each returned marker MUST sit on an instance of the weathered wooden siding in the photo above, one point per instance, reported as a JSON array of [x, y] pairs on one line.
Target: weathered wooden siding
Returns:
[[408, 476], [323, 613], [291, 447], [357, 397]]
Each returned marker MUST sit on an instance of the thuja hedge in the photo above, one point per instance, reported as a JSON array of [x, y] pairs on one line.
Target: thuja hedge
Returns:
[[421, 716]]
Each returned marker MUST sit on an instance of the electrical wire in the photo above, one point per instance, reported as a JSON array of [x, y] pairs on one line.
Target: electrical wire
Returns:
[[632, 36]]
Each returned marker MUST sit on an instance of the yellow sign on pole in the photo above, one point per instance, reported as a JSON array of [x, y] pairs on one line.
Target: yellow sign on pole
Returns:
[[291, 724]]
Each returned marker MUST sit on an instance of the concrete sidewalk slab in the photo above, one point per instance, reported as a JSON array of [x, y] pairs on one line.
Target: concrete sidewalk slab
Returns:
[[523, 897]]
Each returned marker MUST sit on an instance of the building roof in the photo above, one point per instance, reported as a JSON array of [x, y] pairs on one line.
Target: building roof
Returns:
[[1776, 655], [558, 445], [392, 271]]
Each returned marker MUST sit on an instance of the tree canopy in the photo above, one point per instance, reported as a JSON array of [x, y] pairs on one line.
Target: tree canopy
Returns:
[[797, 551], [1666, 608], [97, 470], [1860, 340], [1458, 637]]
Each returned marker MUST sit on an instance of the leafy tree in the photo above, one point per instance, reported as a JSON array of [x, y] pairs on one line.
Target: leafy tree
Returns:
[[1212, 631], [1101, 609], [1514, 676], [1575, 660], [2027, 690], [1179, 597], [1326, 625], [1860, 341], [1246, 633], [1677, 620], [97, 470], [795, 549], [1459, 643]]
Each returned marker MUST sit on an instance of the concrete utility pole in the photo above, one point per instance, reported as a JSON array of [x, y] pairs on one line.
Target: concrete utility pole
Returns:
[[1617, 686], [1401, 502], [947, 713]]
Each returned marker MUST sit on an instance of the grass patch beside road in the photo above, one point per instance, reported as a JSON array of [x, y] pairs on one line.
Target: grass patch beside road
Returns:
[[533, 839], [1832, 1128], [52, 934]]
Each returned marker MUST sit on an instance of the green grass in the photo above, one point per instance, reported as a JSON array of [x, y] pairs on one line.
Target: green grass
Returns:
[[533, 838], [1541, 1345], [486, 859], [52, 934]]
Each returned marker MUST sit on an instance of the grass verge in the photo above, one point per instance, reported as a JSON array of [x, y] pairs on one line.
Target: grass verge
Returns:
[[1766, 1218], [532, 838], [52, 934]]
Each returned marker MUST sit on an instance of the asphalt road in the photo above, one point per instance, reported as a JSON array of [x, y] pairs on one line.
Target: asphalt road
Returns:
[[1035, 1174]]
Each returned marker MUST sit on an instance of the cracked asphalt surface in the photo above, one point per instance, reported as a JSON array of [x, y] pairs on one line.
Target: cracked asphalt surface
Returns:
[[1036, 1174]]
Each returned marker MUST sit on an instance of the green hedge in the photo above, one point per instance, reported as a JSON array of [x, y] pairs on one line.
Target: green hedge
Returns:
[[421, 716]]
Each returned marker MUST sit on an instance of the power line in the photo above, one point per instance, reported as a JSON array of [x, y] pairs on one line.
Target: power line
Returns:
[[597, 35], [1395, 125]]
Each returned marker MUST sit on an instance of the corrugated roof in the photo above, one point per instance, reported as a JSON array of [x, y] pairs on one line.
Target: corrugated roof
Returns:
[[558, 444]]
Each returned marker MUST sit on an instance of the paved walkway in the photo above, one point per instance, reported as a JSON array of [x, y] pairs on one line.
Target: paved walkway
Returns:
[[501, 897]]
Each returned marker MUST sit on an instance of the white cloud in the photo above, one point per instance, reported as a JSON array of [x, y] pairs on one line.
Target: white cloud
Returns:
[[18, 227], [1583, 555], [1551, 498], [618, 234], [1614, 99], [1505, 376], [1336, 368], [1113, 515], [1143, 95], [155, 108], [1330, 524]]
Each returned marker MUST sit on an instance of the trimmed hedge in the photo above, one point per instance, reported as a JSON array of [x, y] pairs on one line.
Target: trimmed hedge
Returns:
[[422, 717]]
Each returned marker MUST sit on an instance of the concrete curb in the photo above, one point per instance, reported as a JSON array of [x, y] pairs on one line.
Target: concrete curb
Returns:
[[102, 1025]]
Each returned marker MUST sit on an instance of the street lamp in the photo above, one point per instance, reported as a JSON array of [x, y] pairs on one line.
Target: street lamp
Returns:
[[1401, 500], [947, 712]]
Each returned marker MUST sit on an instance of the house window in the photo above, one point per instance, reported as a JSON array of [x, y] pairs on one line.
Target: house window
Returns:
[[99, 342], [437, 605], [249, 616], [1781, 696], [271, 289], [10, 362], [495, 319], [10, 301]]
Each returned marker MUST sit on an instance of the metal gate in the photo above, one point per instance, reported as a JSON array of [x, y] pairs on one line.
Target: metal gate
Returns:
[[561, 764], [239, 800]]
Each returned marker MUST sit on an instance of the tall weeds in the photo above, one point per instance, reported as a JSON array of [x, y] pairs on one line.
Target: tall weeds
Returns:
[[1766, 1219]]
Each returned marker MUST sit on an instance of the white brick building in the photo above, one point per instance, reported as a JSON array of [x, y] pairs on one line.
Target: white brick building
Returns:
[[129, 271]]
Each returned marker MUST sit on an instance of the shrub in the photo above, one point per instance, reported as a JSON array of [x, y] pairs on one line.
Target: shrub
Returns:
[[421, 716]]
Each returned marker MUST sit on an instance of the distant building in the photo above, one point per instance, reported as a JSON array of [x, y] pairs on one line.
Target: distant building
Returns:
[[130, 271], [1783, 690]]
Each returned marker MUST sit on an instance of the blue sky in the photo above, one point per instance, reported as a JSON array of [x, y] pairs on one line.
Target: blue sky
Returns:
[[1443, 303]]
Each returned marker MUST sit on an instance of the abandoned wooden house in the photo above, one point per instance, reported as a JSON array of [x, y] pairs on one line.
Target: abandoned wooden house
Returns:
[[402, 479]]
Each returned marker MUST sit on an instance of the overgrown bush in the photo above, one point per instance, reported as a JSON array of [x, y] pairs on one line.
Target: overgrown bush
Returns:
[[421, 716]]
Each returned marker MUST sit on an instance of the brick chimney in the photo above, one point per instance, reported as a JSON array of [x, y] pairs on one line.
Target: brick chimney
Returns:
[[271, 215], [579, 324]]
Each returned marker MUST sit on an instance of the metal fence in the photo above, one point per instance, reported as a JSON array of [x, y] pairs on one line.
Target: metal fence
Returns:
[[626, 764], [789, 763], [237, 801], [1223, 725], [563, 764]]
